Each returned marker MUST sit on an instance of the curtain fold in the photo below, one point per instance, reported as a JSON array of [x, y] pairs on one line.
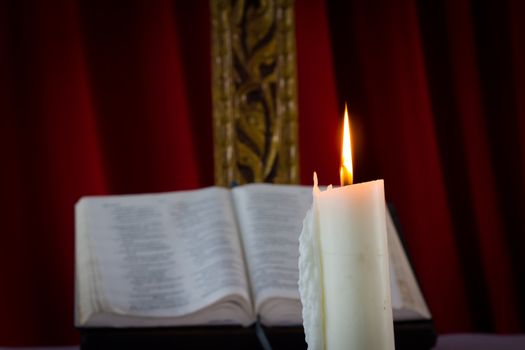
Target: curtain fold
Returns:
[[436, 89], [319, 113], [97, 98], [138, 81], [107, 97], [516, 9], [382, 42], [51, 156], [471, 181]]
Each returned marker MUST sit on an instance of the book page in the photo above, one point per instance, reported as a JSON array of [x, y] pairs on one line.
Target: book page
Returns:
[[407, 299], [166, 255], [84, 302], [270, 219]]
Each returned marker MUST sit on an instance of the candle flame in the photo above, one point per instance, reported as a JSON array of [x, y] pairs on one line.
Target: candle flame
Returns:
[[346, 171]]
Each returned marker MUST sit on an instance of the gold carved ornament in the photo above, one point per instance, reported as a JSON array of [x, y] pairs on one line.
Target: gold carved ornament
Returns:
[[254, 91]]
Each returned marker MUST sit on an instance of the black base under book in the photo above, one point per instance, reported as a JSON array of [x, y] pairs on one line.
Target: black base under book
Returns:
[[416, 335]]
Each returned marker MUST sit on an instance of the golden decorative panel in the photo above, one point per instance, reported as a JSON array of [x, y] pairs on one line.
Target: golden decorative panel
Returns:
[[254, 89]]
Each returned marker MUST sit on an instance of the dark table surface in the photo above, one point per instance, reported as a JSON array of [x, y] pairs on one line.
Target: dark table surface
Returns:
[[445, 342]]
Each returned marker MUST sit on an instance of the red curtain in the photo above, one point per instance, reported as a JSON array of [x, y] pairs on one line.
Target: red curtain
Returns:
[[106, 97], [437, 93], [97, 98]]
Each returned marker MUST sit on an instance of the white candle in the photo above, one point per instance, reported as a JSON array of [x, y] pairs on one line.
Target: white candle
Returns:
[[354, 260], [344, 279]]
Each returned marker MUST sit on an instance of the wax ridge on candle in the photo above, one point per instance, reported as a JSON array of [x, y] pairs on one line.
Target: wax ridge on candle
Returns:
[[310, 276]]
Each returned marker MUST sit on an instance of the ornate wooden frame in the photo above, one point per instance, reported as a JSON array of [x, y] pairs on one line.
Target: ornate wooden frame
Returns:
[[254, 90]]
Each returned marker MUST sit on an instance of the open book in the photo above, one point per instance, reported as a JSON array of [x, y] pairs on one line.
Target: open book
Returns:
[[201, 257]]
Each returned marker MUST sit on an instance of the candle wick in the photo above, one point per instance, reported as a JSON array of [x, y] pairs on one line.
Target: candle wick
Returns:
[[345, 176]]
